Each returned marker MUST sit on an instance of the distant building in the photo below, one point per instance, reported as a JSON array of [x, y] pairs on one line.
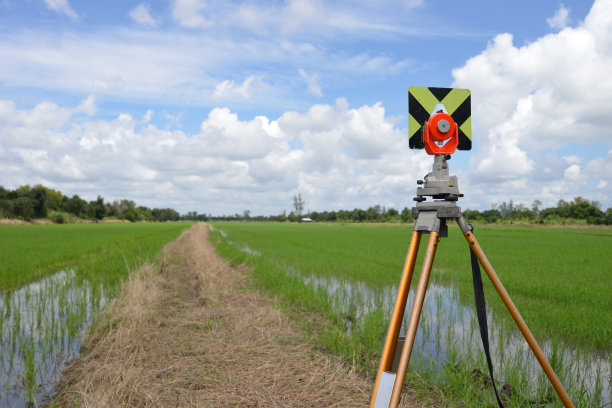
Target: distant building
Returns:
[[306, 219]]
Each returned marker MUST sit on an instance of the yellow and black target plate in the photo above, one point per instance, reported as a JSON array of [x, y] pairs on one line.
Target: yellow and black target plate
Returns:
[[421, 102]]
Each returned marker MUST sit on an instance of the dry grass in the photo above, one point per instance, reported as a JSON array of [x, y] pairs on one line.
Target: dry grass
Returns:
[[193, 335], [11, 221]]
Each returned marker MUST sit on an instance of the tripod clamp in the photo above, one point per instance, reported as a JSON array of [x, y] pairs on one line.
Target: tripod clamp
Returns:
[[444, 189]]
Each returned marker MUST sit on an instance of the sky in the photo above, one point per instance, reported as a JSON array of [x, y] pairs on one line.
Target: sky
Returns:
[[225, 106]]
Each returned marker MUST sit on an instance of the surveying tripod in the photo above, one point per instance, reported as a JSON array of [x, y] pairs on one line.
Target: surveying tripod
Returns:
[[431, 218]]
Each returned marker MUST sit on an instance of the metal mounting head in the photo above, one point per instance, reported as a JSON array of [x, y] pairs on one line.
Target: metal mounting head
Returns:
[[438, 184]]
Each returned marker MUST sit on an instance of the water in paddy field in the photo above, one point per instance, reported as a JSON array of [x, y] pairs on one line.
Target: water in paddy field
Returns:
[[42, 328], [448, 338], [448, 335]]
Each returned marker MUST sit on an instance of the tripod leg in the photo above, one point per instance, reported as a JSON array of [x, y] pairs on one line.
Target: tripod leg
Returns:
[[395, 324], [415, 315], [518, 319]]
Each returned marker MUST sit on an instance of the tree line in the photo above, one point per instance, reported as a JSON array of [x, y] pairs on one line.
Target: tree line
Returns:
[[39, 202], [579, 210]]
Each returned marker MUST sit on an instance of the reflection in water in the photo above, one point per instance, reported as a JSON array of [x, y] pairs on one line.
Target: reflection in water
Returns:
[[448, 335], [41, 328]]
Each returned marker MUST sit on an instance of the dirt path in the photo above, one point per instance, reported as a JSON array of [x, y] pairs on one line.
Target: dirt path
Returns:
[[193, 335]]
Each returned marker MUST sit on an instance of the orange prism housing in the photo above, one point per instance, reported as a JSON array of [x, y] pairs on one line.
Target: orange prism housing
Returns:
[[432, 135]]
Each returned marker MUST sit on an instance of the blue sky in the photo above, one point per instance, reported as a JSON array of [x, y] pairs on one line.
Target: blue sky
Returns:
[[219, 106]]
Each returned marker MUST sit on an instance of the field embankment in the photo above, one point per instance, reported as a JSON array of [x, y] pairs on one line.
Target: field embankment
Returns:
[[195, 334]]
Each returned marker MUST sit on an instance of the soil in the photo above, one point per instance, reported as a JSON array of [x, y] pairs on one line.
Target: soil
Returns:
[[191, 332]]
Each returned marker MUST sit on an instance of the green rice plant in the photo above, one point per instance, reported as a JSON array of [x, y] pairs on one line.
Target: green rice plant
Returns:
[[29, 375], [29, 252]]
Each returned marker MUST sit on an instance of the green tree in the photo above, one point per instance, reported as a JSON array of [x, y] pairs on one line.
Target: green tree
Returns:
[[406, 215], [472, 215], [131, 214], [535, 207], [53, 199], [491, 215], [38, 195], [358, 215], [506, 209], [125, 209], [298, 205], [392, 212], [22, 207], [373, 213], [96, 209], [76, 205]]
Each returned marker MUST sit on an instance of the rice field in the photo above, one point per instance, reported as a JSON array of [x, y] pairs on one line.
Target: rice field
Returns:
[[54, 281], [559, 278]]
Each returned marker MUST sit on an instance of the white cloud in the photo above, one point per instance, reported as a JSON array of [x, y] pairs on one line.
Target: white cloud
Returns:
[[573, 159], [188, 13], [573, 173], [62, 7], [313, 82], [307, 19], [539, 97], [141, 14], [229, 90], [600, 168], [560, 19], [300, 13], [223, 135], [147, 116], [88, 106], [369, 133]]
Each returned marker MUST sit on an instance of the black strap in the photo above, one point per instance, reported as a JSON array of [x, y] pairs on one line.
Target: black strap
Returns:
[[482, 318]]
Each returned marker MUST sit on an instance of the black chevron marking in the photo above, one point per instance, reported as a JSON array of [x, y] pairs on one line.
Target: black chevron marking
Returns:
[[463, 112], [417, 110], [440, 93], [465, 143]]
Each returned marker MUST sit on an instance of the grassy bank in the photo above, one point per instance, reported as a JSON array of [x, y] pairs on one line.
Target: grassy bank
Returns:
[[559, 279]]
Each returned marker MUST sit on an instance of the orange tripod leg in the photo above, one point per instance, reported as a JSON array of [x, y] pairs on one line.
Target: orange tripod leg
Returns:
[[535, 348], [388, 354], [415, 315]]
